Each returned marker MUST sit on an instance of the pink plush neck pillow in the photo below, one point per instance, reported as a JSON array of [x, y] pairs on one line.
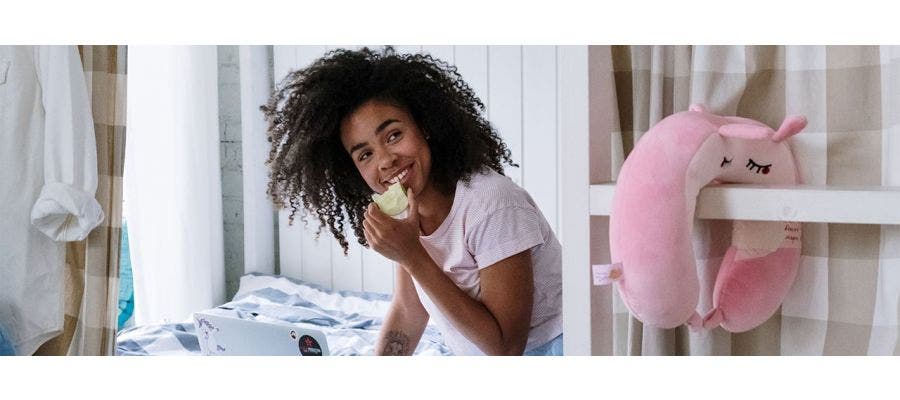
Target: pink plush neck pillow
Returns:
[[652, 217]]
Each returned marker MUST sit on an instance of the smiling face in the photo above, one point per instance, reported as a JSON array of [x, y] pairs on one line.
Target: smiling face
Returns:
[[756, 161], [386, 146]]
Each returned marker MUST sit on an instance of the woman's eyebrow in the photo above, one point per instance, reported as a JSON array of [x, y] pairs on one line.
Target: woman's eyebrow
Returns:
[[378, 130], [384, 125], [357, 147]]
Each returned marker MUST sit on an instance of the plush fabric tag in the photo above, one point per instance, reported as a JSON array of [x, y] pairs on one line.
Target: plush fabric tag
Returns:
[[605, 274], [755, 239]]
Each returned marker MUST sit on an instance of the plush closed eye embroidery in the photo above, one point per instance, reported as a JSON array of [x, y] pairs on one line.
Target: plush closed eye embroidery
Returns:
[[764, 169], [725, 161]]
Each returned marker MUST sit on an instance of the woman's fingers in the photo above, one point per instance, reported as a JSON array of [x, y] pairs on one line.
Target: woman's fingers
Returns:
[[376, 214], [366, 231], [368, 238], [369, 230], [373, 238], [374, 220], [380, 221]]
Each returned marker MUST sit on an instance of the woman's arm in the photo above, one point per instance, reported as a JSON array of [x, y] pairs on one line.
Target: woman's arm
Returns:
[[500, 322], [405, 321]]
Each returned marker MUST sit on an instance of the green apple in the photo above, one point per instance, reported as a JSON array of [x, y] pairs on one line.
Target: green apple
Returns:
[[393, 201]]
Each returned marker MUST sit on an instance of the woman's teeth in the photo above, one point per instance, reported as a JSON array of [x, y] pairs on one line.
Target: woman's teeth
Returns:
[[399, 176]]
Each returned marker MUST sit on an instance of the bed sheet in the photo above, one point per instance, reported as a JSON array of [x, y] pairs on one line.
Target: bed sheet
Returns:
[[350, 320]]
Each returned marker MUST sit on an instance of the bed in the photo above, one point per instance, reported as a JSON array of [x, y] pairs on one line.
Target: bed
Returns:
[[350, 320]]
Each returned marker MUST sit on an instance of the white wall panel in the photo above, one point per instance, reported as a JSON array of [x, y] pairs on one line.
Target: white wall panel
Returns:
[[347, 272], [283, 62], [539, 158], [316, 253], [505, 105], [290, 239], [407, 49], [443, 53], [472, 64], [377, 272], [307, 54]]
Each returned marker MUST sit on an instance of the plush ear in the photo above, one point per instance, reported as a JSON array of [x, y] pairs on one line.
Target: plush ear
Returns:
[[791, 126], [746, 131], [697, 107]]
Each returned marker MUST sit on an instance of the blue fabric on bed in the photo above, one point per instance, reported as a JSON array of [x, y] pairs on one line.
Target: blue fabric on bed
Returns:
[[350, 320], [6, 347], [162, 339], [126, 282], [552, 348]]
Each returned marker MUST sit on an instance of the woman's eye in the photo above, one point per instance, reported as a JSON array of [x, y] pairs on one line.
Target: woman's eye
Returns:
[[393, 137], [760, 169], [364, 155]]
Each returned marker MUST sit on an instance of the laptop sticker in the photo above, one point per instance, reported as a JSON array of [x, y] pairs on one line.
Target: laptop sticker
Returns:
[[207, 335], [309, 346]]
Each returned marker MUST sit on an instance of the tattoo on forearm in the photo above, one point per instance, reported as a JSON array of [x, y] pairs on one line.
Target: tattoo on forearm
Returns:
[[396, 343]]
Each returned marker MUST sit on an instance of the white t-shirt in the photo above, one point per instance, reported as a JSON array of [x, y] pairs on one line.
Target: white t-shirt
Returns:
[[491, 219]]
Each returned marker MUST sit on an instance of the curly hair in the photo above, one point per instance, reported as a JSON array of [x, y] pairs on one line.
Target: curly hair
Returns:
[[309, 169]]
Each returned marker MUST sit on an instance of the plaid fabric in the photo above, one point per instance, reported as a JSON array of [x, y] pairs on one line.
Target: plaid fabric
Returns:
[[846, 296], [92, 265]]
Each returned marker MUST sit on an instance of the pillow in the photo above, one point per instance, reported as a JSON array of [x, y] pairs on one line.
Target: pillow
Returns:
[[652, 216]]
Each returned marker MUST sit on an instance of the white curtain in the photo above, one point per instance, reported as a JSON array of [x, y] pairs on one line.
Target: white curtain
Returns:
[[173, 194]]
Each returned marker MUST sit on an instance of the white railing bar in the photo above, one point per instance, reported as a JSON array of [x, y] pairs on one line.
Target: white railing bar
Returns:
[[878, 205]]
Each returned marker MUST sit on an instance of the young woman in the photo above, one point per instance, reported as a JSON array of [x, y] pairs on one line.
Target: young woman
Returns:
[[474, 253]]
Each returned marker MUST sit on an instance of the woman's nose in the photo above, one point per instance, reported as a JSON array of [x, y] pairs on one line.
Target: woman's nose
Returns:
[[387, 160]]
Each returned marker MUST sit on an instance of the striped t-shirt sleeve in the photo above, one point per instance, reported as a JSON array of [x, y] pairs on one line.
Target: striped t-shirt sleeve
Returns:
[[503, 233]]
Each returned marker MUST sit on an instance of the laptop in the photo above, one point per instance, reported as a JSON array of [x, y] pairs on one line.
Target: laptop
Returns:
[[222, 333]]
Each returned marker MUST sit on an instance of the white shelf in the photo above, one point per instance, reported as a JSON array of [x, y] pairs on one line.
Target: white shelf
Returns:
[[805, 203]]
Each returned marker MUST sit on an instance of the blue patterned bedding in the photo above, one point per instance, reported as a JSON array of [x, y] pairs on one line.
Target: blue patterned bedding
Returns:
[[350, 320]]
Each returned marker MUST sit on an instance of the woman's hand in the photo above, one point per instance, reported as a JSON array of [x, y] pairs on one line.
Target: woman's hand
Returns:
[[396, 239]]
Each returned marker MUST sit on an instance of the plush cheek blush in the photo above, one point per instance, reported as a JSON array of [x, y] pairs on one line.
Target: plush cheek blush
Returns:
[[747, 292]]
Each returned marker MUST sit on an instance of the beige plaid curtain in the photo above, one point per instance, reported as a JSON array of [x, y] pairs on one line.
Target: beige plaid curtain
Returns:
[[846, 296], [92, 265]]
